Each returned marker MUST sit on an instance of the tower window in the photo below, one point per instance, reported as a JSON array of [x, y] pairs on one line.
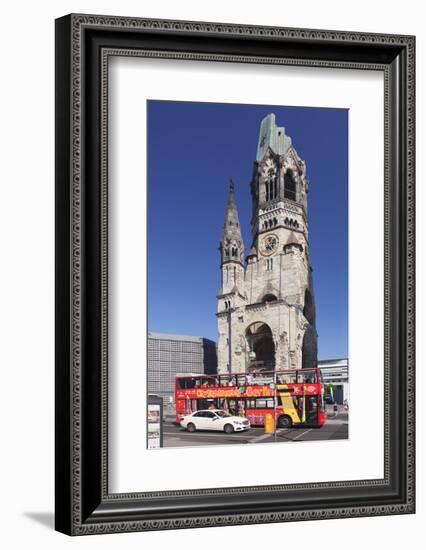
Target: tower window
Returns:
[[289, 185], [291, 222], [271, 186], [269, 264]]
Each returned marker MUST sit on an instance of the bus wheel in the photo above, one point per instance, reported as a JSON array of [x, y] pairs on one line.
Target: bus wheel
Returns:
[[229, 428], [284, 422], [191, 427]]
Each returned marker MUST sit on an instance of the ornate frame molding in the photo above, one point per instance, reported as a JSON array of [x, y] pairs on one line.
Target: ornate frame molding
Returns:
[[83, 503]]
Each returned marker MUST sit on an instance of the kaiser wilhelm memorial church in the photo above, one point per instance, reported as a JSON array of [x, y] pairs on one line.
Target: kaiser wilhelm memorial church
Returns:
[[266, 307]]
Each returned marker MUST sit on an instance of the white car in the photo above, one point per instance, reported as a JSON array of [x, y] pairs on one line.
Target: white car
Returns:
[[214, 420]]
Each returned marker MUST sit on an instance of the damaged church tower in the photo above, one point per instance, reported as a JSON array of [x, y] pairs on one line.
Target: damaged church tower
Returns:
[[266, 309]]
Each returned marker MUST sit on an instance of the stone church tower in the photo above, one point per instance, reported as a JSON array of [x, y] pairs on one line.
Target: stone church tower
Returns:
[[266, 311]]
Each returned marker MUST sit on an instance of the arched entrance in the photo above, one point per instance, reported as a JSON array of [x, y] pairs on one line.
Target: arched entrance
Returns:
[[261, 347]]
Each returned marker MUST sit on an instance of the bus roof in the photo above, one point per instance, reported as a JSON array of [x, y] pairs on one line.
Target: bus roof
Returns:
[[193, 374], [203, 375]]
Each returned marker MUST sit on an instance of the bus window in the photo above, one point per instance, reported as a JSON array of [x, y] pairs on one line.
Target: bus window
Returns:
[[206, 404], [228, 380], [224, 380], [241, 379], [262, 378], [186, 383], [288, 377], [311, 377], [306, 376], [264, 403]]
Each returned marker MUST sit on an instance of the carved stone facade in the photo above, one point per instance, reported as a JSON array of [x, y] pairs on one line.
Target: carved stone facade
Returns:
[[266, 307]]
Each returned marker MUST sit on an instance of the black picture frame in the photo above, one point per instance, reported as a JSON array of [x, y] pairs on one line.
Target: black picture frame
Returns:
[[83, 45]]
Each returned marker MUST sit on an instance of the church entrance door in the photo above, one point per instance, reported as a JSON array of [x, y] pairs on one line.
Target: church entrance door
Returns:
[[261, 347]]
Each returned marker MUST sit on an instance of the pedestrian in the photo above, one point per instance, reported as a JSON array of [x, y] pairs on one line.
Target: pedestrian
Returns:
[[335, 408]]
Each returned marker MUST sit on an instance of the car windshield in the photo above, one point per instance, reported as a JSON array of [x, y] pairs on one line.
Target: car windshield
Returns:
[[222, 413]]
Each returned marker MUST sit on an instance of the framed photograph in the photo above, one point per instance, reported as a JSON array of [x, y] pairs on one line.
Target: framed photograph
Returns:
[[234, 274]]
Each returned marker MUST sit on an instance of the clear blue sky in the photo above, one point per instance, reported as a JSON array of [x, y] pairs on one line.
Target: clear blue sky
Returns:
[[193, 150]]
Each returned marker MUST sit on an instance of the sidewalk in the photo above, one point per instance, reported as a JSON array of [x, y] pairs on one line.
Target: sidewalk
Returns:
[[330, 410]]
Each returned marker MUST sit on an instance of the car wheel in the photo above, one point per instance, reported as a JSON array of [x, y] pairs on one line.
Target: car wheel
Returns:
[[229, 428], [284, 422], [191, 427]]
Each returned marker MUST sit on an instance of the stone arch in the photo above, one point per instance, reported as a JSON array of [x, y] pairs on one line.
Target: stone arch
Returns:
[[269, 298], [261, 347], [268, 290]]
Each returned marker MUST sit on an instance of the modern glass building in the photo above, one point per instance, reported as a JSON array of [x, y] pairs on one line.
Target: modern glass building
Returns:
[[336, 372], [169, 354]]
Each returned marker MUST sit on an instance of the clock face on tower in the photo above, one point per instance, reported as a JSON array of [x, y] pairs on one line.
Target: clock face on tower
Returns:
[[269, 245]]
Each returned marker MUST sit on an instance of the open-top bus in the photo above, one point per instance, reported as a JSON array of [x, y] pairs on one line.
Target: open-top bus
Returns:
[[296, 396]]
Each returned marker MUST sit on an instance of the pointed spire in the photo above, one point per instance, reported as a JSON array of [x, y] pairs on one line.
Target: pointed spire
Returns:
[[231, 199], [232, 246], [231, 227]]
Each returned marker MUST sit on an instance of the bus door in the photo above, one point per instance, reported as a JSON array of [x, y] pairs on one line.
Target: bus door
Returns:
[[307, 409], [311, 409]]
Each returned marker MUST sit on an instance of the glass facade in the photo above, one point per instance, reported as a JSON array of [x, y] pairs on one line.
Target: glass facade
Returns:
[[170, 354]]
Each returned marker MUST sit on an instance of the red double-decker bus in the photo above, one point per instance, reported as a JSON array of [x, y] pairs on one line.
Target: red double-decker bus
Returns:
[[296, 397]]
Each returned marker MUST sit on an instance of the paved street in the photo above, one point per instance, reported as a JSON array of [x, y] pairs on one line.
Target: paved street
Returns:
[[335, 428]]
